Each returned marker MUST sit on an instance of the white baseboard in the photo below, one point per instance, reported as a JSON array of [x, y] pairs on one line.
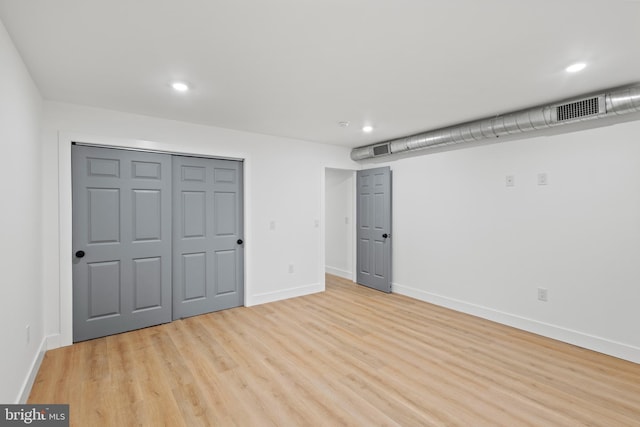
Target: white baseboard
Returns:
[[580, 339], [298, 291], [54, 341], [339, 272], [33, 371]]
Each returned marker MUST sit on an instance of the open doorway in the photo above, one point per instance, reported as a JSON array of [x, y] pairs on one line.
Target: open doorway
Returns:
[[340, 253]]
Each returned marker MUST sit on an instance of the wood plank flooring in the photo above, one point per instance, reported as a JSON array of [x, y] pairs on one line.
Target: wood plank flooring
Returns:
[[348, 356]]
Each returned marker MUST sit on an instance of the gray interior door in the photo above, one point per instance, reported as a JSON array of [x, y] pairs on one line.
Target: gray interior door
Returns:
[[208, 250], [121, 241], [374, 228]]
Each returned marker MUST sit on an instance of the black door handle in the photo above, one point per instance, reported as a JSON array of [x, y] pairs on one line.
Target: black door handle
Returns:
[[385, 235], [239, 241], [80, 254]]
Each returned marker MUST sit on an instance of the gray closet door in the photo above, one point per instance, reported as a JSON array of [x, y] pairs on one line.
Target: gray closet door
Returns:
[[208, 249], [374, 228], [121, 241]]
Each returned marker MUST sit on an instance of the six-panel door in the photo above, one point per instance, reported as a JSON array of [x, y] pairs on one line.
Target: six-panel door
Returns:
[[121, 241], [374, 228], [207, 236]]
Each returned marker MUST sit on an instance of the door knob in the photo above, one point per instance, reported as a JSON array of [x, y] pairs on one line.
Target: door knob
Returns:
[[80, 254], [385, 235], [239, 241]]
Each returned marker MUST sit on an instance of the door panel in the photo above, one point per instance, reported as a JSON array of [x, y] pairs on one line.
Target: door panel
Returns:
[[194, 276], [378, 256], [147, 217], [374, 228], [193, 214], [148, 170], [99, 167], [379, 213], [225, 214], [193, 173], [104, 215], [363, 257], [122, 222], [104, 289], [208, 260], [147, 284], [364, 211], [226, 268]]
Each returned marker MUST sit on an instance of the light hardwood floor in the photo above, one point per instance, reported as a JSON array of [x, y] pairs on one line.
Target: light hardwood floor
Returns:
[[348, 356]]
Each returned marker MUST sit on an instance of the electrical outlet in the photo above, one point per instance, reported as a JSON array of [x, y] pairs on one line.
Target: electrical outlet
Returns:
[[272, 225], [510, 181], [28, 334], [346, 220], [542, 179], [290, 268], [543, 294], [316, 223]]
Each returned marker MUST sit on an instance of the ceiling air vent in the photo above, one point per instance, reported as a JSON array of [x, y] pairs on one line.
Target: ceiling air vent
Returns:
[[381, 150], [576, 110]]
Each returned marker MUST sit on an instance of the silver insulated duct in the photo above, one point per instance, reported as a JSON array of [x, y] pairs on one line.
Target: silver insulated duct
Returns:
[[613, 102]]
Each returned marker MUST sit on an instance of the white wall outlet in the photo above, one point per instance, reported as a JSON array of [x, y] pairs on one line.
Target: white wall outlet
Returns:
[[543, 179], [510, 180], [316, 223], [290, 268], [346, 220], [28, 334], [543, 294], [272, 225]]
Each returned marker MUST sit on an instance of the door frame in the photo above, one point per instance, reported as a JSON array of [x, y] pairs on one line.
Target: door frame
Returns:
[[65, 229], [352, 224]]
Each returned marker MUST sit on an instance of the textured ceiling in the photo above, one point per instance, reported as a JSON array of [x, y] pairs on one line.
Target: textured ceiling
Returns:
[[296, 68]]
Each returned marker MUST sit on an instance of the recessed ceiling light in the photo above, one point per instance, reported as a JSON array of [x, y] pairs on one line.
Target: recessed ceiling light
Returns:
[[574, 68], [179, 86], [367, 128]]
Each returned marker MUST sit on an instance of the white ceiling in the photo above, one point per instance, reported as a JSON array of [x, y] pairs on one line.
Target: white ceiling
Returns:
[[296, 68]]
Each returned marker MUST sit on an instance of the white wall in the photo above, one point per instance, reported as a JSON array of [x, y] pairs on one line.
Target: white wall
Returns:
[[284, 182], [20, 244], [339, 222], [463, 239]]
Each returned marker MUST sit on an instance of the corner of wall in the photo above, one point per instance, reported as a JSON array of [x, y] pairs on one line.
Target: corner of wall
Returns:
[[25, 390], [298, 291], [339, 272]]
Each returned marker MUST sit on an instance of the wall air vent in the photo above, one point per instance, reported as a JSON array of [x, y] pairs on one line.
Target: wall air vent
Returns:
[[578, 109], [381, 150]]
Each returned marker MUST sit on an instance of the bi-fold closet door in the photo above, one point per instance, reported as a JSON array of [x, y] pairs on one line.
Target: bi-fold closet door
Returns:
[[156, 237]]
